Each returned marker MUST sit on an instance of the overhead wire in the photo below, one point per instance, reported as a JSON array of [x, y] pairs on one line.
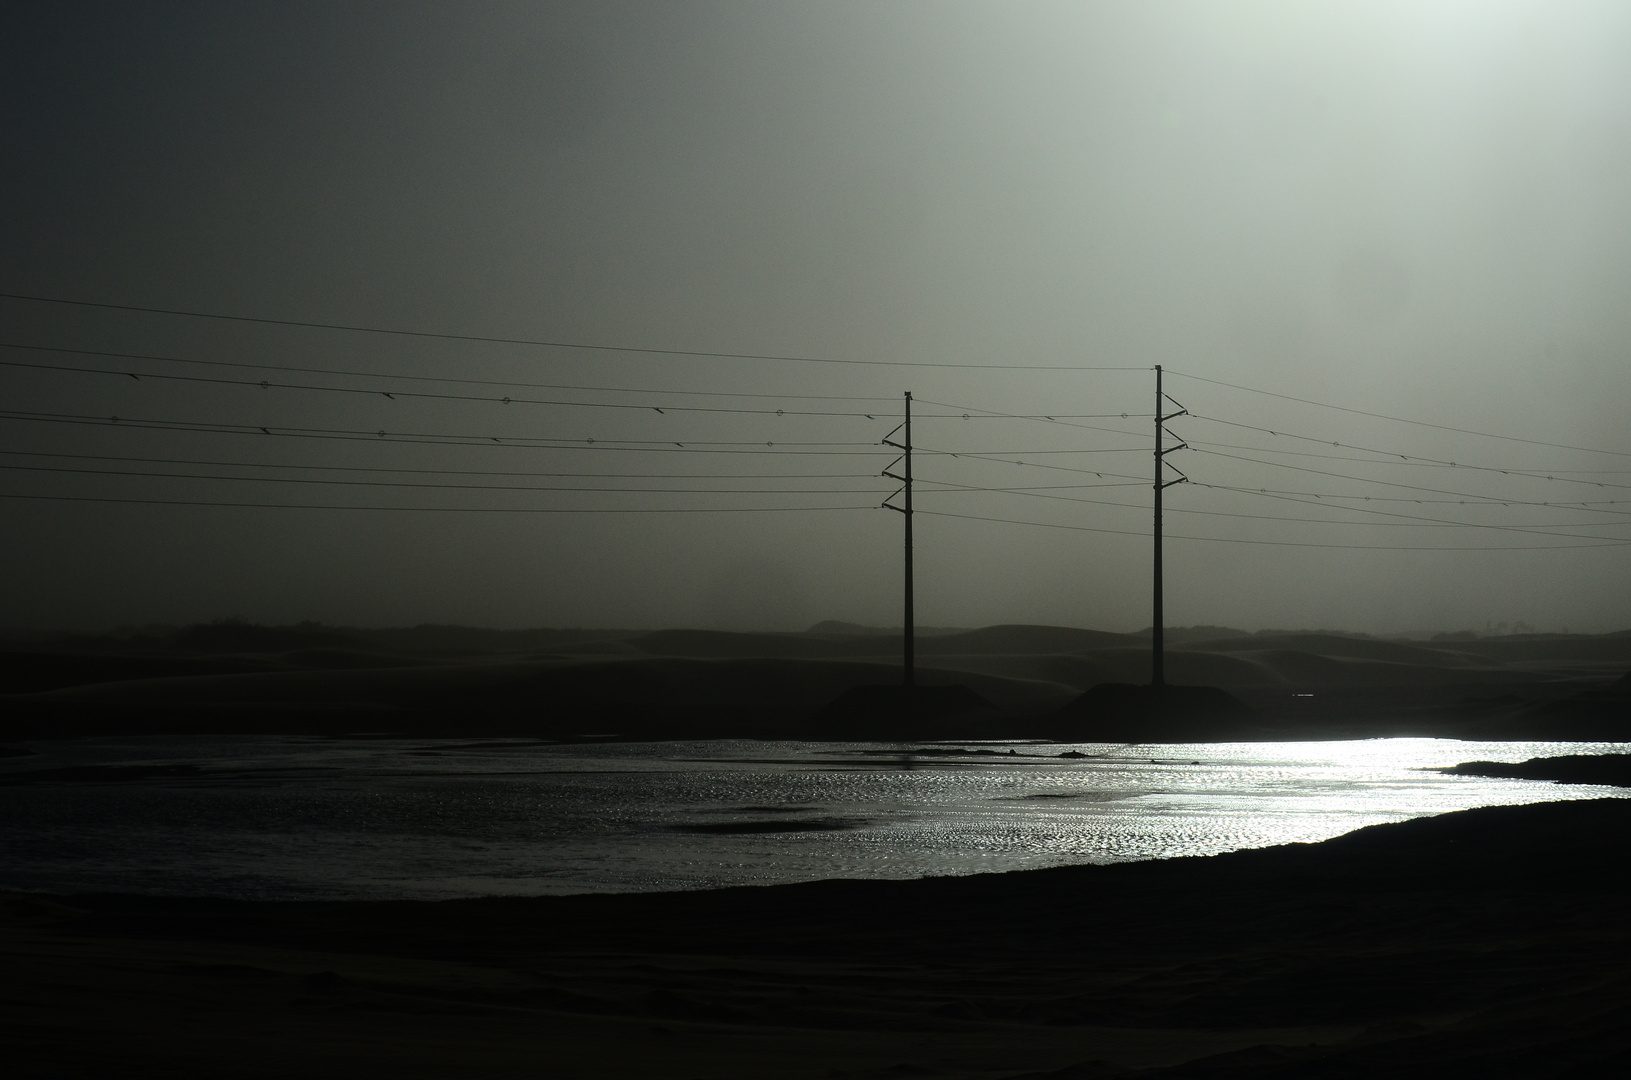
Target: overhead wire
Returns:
[[446, 379], [1415, 522], [1398, 419], [267, 384], [1386, 457], [1427, 521], [436, 472], [548, 343], [455, 439], [462, 486], [1000, 460], [432, 439], [970, 412], [794, 448], [1282, 543], [1349, 476], [1480, 500], [436, 509]]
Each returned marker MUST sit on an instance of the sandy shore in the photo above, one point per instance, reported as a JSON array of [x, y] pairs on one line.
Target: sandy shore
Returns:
[[1491, 942]]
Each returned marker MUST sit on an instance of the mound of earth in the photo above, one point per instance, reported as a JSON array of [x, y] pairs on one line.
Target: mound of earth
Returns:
[[1609, 769], [893, 713]]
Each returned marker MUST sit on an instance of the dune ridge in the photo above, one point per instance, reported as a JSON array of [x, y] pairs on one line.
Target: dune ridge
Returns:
[[704, 684]]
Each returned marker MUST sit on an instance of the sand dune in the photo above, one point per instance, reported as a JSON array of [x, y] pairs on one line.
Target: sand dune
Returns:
[[698, 683]]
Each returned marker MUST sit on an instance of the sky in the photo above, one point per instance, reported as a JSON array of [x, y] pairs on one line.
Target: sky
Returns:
[[1382, 252]]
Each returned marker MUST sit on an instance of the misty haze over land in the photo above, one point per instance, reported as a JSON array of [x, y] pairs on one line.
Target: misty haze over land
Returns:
[[1407, 219]]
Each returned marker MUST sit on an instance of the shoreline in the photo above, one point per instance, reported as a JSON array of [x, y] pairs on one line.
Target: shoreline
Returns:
[[1492, 939]]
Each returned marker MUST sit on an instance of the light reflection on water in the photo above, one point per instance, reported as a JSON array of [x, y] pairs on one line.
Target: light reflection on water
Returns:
[[317, 818]]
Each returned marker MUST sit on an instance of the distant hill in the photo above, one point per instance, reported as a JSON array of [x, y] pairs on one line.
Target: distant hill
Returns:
[[1022, 639], [688, 683], [835, 627], [1181, 635], [1341, 645]]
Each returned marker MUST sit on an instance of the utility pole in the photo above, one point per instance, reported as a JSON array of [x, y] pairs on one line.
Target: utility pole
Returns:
[[1157, 630], [909, 673]]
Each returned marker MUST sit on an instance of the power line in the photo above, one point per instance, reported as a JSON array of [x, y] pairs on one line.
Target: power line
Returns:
[[528, 441], [438, 509], [1471, 500], [444, 379], [971, 413], [1409, 520], [267, 384], [1283, 543], [439, 472], [546, 343], [1349, 476], [1401, 419], [1387, 457], [766, 509], [464, 486], [1035, 487], [1038, 524], [1033, 465], [1042, 495], [964, 413], [264, 384], [425, 395], [428, 439], [1414, 521]]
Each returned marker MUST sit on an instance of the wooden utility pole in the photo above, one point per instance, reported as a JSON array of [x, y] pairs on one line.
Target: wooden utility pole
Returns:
[[1157, 638], [1157, 628], [909, 673]]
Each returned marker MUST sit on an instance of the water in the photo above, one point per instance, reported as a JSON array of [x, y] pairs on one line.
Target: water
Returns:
[[304, 818]]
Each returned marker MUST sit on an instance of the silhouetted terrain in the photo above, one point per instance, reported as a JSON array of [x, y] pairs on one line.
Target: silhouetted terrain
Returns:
[[1486, 943], [1612, 769], [700, 683]]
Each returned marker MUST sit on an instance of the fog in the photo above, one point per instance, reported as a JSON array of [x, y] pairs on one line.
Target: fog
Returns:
[[1413, 212]]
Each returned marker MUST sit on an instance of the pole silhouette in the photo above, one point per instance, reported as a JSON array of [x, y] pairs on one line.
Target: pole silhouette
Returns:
[[908, 631], [1157, 638], [1157, 627]]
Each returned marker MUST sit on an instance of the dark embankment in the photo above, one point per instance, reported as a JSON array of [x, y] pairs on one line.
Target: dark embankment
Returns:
[[1119, 712], [1611, 769], [1487, 943], [900, 713], [561, 684]]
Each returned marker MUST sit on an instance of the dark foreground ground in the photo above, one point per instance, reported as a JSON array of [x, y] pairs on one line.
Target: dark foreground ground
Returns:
[[1487, 943]]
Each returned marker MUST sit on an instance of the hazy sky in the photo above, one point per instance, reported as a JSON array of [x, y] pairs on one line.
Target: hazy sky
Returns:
[[1414, 209]]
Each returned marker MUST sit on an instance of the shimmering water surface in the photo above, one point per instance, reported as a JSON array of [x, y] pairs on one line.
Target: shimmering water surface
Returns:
[[320, 818]]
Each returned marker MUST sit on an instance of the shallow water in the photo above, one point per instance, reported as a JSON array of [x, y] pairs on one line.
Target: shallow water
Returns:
[[307, 818]]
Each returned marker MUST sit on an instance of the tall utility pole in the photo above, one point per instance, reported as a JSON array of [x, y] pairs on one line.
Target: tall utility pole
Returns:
[[1157, 631], [909, 674]]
